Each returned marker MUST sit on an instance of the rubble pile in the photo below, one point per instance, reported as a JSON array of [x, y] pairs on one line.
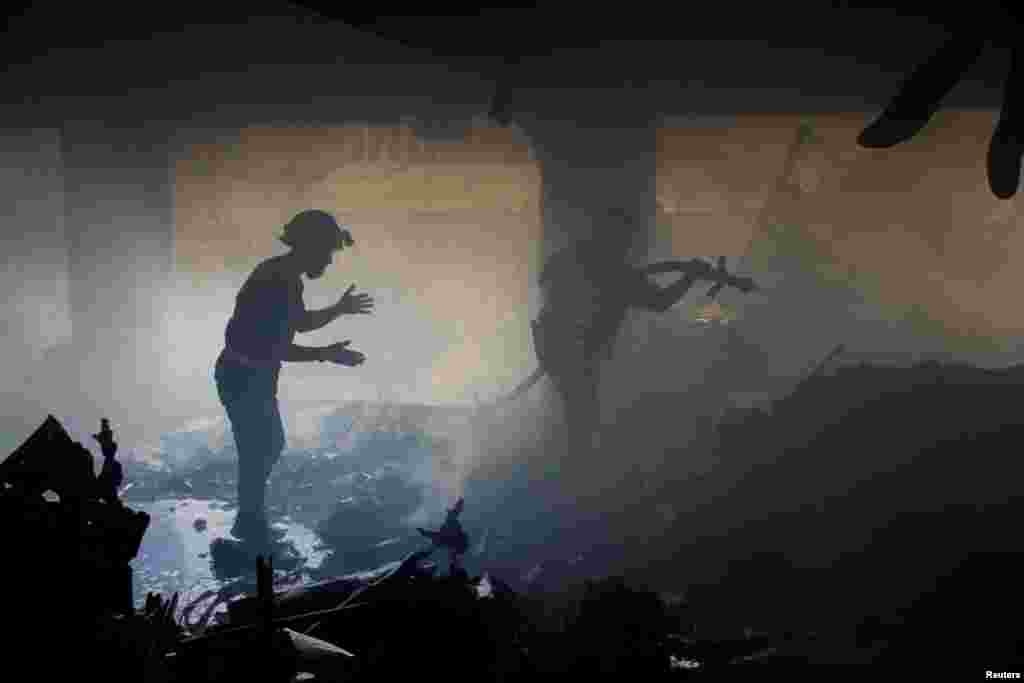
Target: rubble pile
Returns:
[[405, 620], [870, 495]]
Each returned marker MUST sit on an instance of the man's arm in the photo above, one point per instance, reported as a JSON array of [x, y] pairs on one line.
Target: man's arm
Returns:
[[653, 297], [303, 354], [314, 320], [348, 304], [335, 353]]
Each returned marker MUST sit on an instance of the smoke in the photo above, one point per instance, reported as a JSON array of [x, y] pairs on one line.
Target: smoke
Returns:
[[304, 427], [457, 447], [476, 453], [437, 495]]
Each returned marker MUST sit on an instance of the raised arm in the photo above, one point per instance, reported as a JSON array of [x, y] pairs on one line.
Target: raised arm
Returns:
[[348, 304], [653, 297], [314, 320]]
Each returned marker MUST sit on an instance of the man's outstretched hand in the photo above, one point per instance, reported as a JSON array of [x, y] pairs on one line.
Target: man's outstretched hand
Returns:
[[355, 303], [342, 355]]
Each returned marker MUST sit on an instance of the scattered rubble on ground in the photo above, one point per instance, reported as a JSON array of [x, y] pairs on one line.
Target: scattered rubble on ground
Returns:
[[555, 618], [307, 632]]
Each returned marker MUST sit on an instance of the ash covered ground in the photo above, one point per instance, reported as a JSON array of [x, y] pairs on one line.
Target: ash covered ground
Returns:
[[348, 498], [348, 495]]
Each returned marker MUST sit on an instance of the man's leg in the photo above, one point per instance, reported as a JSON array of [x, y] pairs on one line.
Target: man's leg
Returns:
[[581, 412], [253, 440], [276, 441], [251, 407], [259, 436]]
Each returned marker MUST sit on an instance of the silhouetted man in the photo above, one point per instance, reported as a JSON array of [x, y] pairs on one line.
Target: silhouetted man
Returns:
[[588, 290], [269, 311]]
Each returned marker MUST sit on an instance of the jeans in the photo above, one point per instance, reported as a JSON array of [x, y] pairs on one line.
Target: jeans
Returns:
[[249, 396]]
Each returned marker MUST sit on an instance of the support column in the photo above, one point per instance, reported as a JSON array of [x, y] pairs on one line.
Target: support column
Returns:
[[593, 156]]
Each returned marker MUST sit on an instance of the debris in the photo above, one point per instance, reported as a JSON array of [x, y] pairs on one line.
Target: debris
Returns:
[[326, 595], [364, 533], [93, 538], [312, 649], [451, 535], [112, 474], [49, 459], [483, 587], [82, 540]]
